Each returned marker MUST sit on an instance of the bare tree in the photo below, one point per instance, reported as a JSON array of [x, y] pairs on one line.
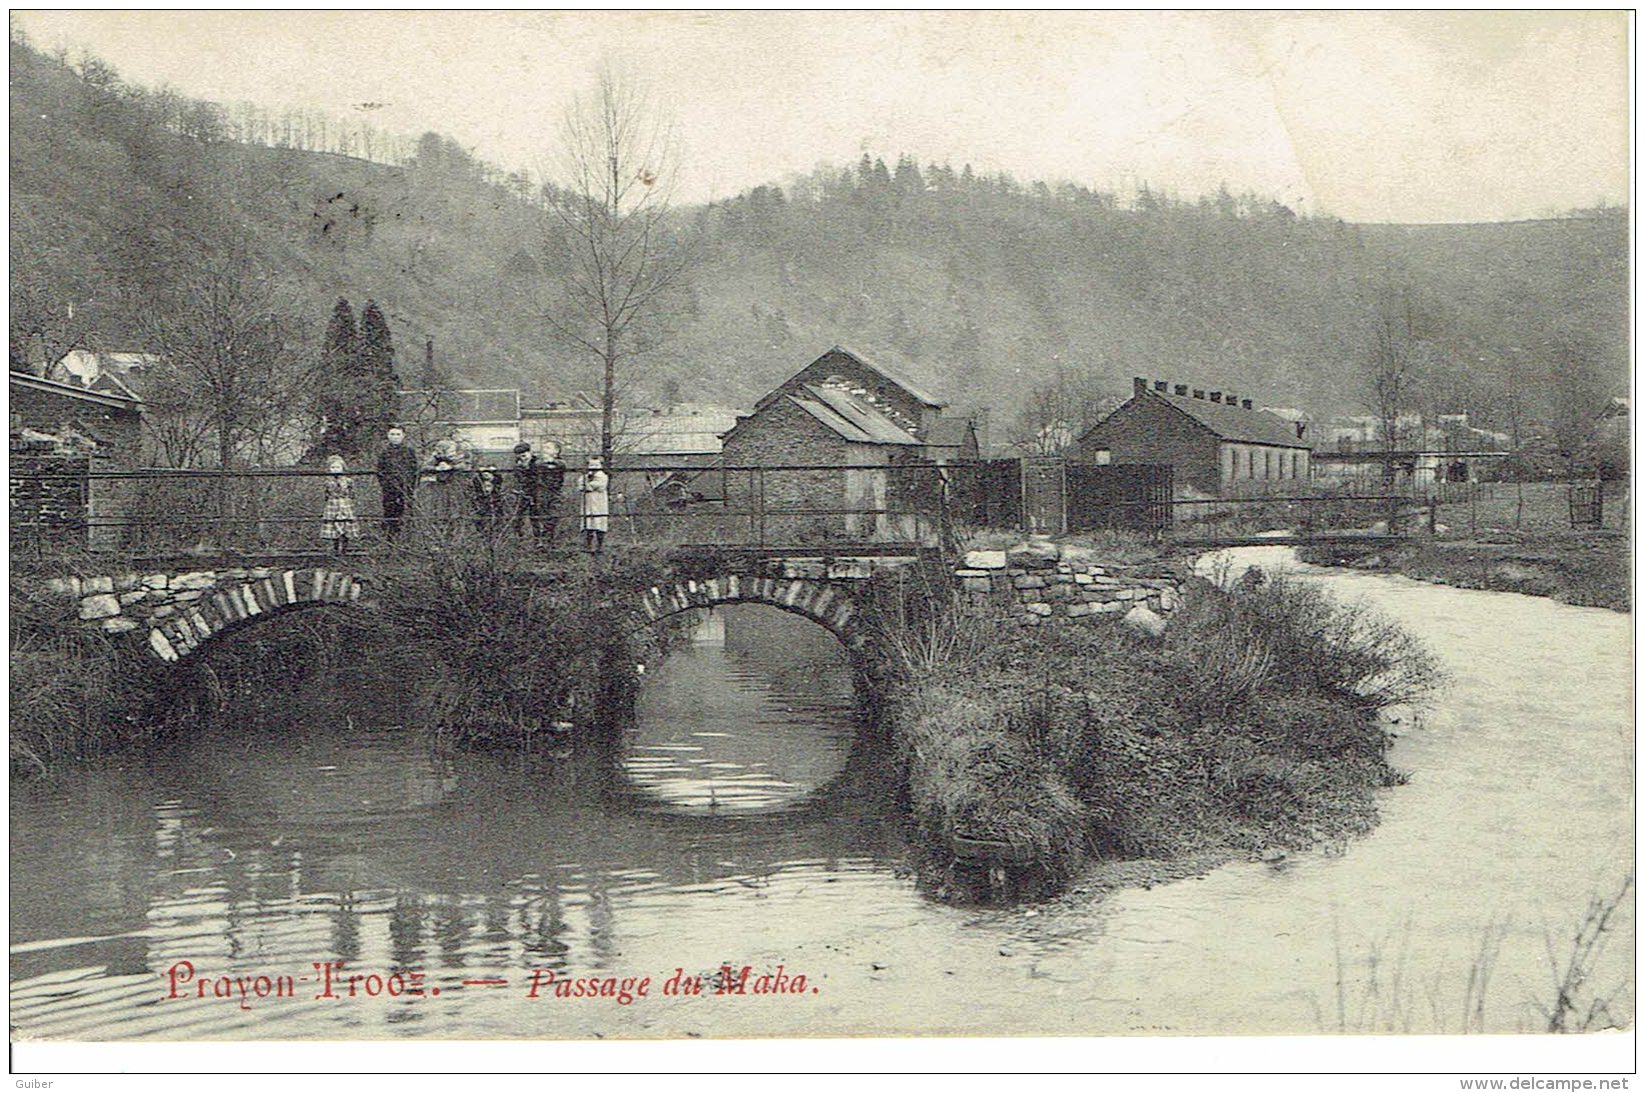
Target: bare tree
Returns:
[[1575, 398], [1397, 356], [44, 327], [1057, 414], [230, 367], [609, 221]]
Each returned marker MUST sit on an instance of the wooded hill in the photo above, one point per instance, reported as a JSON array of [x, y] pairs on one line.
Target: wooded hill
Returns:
[[981, 288]]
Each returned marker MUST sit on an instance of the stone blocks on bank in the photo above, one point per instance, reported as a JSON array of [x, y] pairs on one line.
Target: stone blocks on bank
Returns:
[[1041, 582], [985, 559], [1144, 621], [99, 605]]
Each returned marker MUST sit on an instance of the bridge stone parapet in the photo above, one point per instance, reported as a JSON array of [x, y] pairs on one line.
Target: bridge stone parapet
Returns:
[[176, 613]]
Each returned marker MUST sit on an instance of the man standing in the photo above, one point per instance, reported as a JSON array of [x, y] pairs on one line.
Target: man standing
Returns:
[[397, 480], [538, 482]]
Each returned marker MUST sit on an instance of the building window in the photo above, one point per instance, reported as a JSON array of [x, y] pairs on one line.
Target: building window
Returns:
[[1250, 463]]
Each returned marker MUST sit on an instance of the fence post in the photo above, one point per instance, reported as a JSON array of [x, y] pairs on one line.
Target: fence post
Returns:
[[761, 473], [1022, 491]]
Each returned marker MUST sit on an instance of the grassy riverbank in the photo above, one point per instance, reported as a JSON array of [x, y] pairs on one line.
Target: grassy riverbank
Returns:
[[1587, 570], [1250, 727]]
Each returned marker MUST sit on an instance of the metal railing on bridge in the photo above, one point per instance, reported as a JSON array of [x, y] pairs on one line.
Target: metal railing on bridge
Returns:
[[811, 506], [165, 511]]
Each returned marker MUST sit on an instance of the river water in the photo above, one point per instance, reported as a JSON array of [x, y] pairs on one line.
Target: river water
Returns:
[[743, 821]]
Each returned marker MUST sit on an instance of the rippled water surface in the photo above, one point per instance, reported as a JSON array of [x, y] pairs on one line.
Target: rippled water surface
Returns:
[[741, 821]]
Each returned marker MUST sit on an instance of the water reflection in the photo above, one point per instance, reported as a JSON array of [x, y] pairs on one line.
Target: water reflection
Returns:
[[754, 712], [319, 830]]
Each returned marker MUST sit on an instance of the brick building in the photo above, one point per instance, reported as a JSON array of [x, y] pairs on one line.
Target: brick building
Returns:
[[111, 423], [878, 428], [60, 432], [1214, 441]]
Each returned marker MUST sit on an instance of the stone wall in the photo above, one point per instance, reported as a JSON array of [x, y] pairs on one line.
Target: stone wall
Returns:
[[1040, 583]]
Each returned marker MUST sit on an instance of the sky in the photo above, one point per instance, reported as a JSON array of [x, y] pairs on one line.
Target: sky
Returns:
[[1370, 116]]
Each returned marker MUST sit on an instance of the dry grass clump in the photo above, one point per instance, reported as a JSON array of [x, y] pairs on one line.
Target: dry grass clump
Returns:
[[970, 775], [1252, 723], [500, 643], [71, 688]]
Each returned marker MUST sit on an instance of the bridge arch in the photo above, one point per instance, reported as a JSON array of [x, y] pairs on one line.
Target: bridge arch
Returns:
[[231, 605], [823, 602]]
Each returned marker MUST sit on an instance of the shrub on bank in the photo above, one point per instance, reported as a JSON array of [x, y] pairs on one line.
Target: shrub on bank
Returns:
[[1582, 570], [1250, 724], [74, 694], [499, 642]]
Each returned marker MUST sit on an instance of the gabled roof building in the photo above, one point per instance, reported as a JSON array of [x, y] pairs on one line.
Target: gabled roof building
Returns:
[[866, 435], [1215, 441]]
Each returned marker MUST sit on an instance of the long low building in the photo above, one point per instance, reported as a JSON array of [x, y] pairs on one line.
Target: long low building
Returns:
[[1214, 441]]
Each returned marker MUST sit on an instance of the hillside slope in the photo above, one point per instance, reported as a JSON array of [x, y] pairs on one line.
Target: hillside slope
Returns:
[[982, 289]]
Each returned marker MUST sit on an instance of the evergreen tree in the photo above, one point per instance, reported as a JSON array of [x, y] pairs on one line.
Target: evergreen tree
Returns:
[[907, 178], [865, 171], [338, 401], [374, 364]]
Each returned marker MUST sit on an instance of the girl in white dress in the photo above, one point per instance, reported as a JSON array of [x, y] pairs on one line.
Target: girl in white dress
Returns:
[[596, 504]]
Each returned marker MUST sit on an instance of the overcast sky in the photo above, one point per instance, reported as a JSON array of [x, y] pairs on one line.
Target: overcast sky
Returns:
[[1401, 116]]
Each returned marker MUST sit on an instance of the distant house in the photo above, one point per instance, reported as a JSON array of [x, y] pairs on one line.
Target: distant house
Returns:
[[1216, 443], [840, 411], [1612, 437], [486, 420], [678, 435], [117, 373], [1614, 421], [1444, 448]]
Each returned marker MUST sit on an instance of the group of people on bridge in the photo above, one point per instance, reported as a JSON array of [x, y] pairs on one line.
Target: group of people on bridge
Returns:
[[445, 491]]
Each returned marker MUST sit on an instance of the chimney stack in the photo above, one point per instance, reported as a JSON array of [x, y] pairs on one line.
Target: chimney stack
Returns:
[[1216, 396], [1138, 385], [1199, 394], [1159, 385], [1181, 389], [1245, 403]]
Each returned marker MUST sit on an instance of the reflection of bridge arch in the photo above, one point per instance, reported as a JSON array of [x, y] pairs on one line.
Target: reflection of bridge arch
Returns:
[[822, 602]]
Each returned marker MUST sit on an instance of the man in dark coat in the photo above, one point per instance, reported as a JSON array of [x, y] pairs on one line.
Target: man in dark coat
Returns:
[[538, 481], [397, 479]]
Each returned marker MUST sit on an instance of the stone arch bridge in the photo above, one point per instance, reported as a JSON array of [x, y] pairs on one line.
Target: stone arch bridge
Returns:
[[175, 611]]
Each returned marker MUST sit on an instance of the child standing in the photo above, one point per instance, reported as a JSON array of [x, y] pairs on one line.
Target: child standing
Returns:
[[338, 524], [596, 504]]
